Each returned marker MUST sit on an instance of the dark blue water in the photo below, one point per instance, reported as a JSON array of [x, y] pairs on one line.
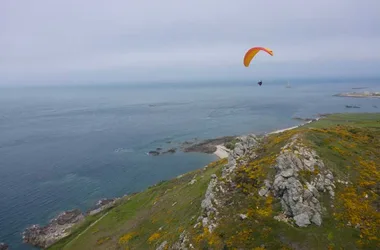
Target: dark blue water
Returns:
[[67, 147]]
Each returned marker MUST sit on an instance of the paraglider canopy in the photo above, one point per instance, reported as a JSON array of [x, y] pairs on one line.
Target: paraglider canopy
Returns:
[[252, 52]]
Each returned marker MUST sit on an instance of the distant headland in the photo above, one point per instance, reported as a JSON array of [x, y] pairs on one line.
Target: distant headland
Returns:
[[365, 94]]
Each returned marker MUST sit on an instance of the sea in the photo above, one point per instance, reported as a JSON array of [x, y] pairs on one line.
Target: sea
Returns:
[[65, 147]]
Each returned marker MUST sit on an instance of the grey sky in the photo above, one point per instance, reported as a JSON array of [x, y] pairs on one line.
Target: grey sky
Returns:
[[92, 40]]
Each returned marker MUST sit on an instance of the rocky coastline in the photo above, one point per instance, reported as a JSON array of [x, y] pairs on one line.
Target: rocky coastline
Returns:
[[60, 226]]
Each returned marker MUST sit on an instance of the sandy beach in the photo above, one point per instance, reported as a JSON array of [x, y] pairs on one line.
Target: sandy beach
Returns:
[[221, 151], [285, 129]]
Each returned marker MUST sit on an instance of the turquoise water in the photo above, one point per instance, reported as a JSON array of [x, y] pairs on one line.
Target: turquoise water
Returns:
[[67, 147]]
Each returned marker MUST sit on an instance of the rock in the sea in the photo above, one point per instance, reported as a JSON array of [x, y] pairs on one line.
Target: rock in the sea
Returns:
[[4, 246], [57, 229], [154, 153], [170, 151]]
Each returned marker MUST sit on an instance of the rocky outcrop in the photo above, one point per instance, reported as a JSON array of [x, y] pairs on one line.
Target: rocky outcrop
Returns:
[[216, 189], [243, 146], [182, 243], [209, 211], [3, 246], [299, 195], [57, 229]]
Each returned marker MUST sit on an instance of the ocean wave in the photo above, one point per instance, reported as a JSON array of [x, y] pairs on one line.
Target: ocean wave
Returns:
[[69, 178], [124, 150]]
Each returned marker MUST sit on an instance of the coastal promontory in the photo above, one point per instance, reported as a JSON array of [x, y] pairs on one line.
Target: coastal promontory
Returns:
[[311, 187]]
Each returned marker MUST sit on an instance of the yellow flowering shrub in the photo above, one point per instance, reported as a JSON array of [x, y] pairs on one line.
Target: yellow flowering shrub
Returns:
[[154, 237], [126, 237]]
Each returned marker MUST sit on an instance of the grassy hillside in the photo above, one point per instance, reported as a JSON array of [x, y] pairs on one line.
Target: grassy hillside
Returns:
[[349, 146], [144, 219]]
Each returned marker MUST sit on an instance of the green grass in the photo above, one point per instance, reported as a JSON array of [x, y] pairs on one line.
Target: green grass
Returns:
[[76, 231], [369, 120]]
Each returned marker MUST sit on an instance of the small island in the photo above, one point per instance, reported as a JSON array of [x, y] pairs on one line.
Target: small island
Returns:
[[365, 94]]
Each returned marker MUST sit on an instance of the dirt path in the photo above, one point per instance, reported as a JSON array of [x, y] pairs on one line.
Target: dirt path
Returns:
[[91, 225]]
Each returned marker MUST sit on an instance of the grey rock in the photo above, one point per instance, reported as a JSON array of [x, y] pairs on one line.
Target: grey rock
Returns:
[[102, 205], [307, 194], [263, 191], [243, 216], [328, 182], [267, 184], [193, 181], [317, 219], [330, 176], [239, 149], [208, 206], [3, 246], [287, 173], [162, 245], [312, 189], [302, 220], [298, 200], [279, 185]]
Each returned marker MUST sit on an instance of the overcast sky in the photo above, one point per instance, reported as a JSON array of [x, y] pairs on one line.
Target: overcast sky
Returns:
[[100, 41]]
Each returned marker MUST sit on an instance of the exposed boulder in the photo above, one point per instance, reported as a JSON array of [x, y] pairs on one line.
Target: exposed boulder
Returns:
[[302, 220]]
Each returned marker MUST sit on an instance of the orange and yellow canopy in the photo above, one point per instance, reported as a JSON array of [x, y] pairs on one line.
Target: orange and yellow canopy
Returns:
[[252, 52]]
